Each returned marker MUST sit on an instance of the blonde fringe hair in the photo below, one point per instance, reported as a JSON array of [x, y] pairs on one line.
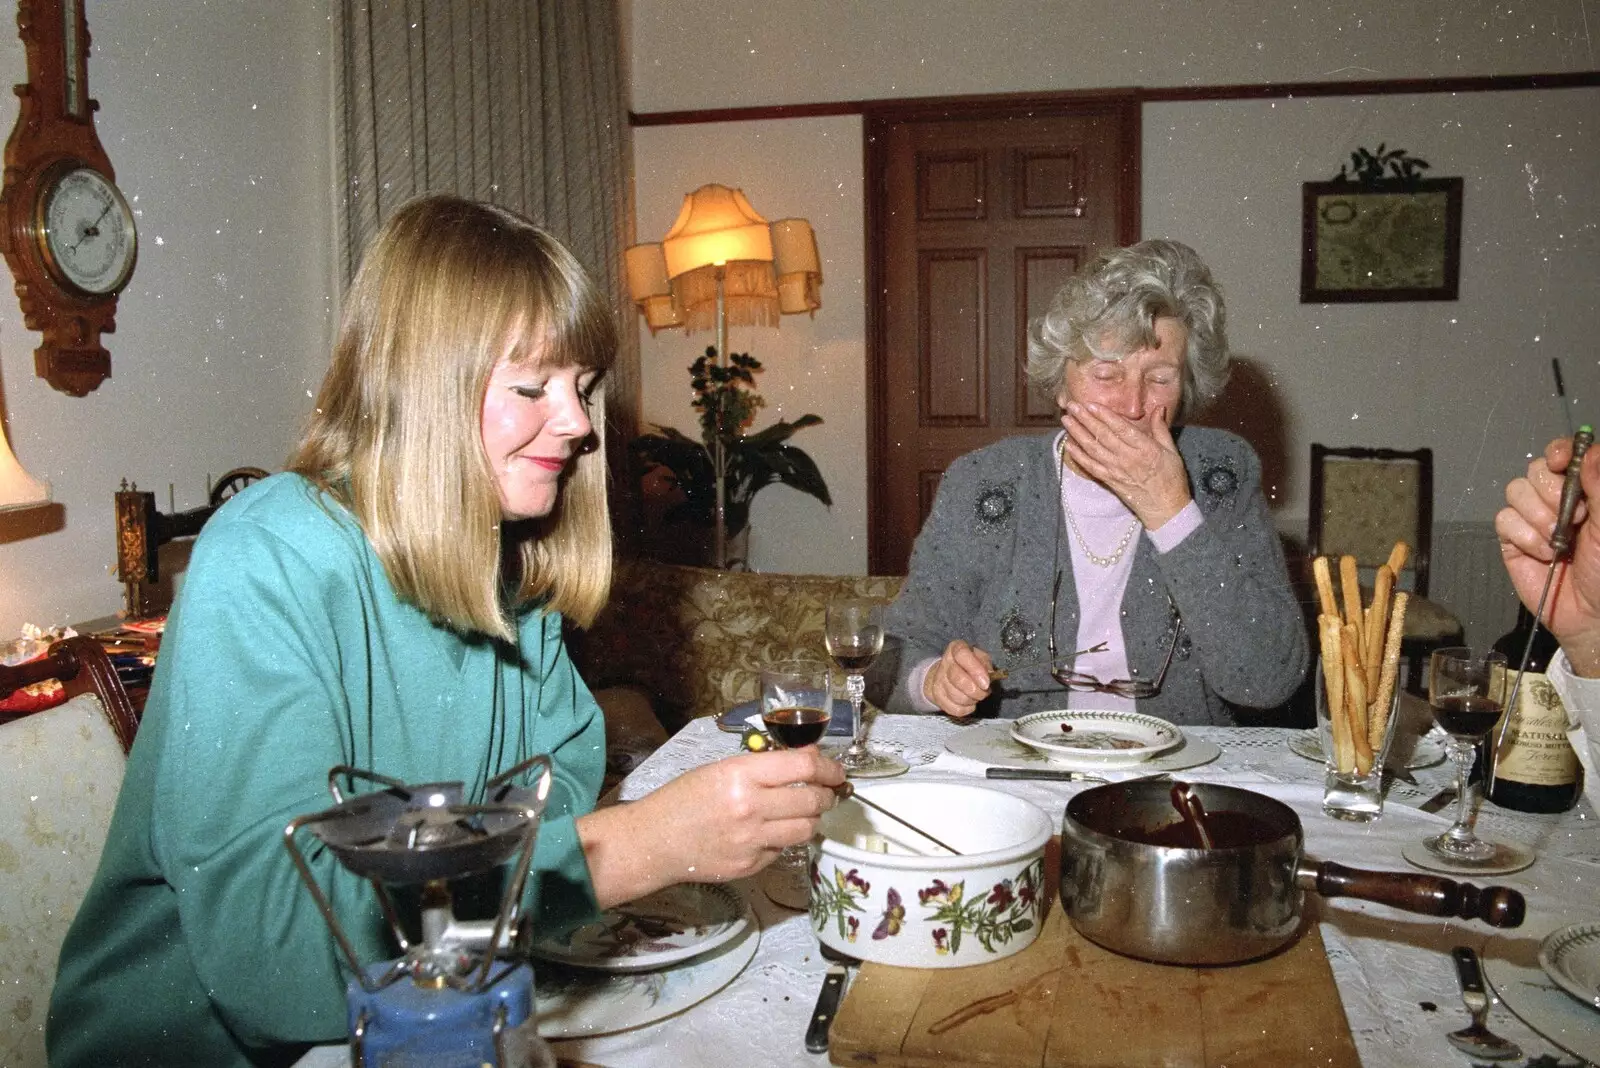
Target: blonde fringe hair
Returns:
[[396, 435]]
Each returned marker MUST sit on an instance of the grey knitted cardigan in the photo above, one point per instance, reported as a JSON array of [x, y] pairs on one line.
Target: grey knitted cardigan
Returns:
[[984, 563]]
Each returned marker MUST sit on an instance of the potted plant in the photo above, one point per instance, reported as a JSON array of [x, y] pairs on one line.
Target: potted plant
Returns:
[[726, 399]]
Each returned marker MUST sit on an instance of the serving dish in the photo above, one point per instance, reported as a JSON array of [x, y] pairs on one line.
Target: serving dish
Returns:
[[1090, 739], [1137, 880], [883, 893], [659, 929], [1571, 957]]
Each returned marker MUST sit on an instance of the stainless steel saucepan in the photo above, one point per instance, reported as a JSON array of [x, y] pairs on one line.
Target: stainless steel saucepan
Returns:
[[1133, 882]]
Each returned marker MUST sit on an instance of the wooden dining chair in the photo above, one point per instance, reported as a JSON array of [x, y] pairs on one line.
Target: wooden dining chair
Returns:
[[1363, 500], [81, 665], [60, 770]]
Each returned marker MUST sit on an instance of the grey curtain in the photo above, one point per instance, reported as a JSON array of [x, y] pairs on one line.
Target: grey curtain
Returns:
[[518, 102]]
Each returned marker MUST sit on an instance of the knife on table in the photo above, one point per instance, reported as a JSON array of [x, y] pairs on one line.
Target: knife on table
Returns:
[[1048, 774], [827, 1001], [1062, 775]]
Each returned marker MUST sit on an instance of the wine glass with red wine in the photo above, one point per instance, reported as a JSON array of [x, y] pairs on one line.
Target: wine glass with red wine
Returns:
[[796, 704], [853, 631], [1467, 692], [796, 701]]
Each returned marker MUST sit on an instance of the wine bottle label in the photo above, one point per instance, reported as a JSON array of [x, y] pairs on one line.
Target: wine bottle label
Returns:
[[1535, 749]]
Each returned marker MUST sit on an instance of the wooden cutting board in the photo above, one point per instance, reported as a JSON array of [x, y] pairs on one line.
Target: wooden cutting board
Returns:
[[1080, 1006]]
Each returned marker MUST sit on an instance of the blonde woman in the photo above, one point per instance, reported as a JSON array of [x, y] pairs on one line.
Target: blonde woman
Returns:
[[394, 601]]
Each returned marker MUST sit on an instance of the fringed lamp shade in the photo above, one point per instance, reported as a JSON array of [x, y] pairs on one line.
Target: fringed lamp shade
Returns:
[[650, 287], [18, 489], [797, 266], [767, 270]]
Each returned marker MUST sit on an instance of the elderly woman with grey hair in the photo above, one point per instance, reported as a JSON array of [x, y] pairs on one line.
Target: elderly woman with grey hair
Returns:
[[1122, 562]]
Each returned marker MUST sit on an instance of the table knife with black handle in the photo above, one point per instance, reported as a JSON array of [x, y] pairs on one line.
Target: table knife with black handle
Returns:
[[827, 1006], [1045, 774]]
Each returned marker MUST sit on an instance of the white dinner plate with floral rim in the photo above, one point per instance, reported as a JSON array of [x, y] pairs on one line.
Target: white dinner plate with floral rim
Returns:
[[670, 925], [1571, 956], [1091, 740], [580, 1002], [1511, 966], [989, 742], [1428, 750]]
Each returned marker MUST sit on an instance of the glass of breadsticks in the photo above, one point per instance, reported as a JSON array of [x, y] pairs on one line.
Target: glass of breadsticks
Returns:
[[1357, 681]]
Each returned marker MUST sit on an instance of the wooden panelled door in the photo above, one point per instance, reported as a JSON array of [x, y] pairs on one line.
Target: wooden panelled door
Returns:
[[977, 212]]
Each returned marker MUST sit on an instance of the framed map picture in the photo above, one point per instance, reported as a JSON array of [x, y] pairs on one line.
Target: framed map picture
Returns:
[[1392, 239]]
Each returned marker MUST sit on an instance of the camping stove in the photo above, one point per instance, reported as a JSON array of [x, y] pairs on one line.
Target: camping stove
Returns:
[[449, 1000]]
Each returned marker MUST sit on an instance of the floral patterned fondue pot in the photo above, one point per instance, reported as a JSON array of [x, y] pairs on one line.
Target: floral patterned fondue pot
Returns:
[[881, 892]]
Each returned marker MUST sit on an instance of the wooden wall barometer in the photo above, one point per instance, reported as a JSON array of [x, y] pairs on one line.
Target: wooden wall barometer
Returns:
[[65, 230]]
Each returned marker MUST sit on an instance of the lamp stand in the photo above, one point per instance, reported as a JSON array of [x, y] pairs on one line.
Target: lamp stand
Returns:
[[719, 457]]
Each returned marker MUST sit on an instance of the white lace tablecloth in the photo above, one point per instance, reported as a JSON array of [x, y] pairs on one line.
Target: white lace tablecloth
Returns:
[[1393, 969]]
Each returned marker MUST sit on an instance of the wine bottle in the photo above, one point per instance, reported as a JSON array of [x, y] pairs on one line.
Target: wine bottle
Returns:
[[1535, 769]]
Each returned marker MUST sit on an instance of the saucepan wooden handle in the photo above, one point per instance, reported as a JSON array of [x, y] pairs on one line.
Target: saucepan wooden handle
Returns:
[[1431, 895]]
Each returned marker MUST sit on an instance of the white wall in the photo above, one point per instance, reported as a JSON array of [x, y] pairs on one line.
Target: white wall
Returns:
[[217, 118], [690, 54], [1470, 378]]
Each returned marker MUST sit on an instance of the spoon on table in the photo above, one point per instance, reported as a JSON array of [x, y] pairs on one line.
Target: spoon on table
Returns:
[[1476, 1040]]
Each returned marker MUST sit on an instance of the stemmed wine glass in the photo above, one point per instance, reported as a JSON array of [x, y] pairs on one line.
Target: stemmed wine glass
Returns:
[[853, 631], [1467, 692], [796, 704]]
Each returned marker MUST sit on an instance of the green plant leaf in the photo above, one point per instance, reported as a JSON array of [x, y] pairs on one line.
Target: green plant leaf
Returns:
[[794, 468], [754, 461], [782, 431]]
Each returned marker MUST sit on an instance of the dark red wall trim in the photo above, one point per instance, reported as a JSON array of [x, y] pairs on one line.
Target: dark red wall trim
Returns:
[[1488, 83]]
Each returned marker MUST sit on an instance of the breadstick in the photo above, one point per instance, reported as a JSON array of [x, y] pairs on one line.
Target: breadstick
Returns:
[[1397, 557], [1344, 754], [1351, 588], [1377, 621], [1355, 700], [1319, 569], [1383, 703]]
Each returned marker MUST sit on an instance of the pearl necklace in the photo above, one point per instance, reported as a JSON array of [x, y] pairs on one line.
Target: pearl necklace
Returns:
[[1100, 561], [1072, 522]]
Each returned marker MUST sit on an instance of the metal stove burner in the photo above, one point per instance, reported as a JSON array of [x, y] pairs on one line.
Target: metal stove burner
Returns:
[[458, 1008], [434, 828], [417, 834], [425, 834]]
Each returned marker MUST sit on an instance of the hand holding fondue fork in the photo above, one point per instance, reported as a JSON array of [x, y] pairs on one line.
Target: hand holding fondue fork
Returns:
[[998, 674]]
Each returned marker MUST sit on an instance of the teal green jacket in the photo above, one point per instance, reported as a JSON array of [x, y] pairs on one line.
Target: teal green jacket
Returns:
[[288, 653]]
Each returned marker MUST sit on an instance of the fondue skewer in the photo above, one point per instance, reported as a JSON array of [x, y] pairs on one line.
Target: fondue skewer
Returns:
[[1560, 548], [847, 791]]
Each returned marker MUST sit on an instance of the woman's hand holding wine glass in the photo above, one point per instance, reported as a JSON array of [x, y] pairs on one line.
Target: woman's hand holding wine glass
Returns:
[[796, 705]]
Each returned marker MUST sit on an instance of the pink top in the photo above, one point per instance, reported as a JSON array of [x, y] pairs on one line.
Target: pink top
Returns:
[[1103, 520]]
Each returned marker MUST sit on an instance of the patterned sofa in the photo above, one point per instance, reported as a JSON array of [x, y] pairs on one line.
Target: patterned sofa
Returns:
[[692, 640]]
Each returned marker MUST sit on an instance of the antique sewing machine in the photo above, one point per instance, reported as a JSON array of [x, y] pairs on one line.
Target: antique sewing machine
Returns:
[[141, 531]]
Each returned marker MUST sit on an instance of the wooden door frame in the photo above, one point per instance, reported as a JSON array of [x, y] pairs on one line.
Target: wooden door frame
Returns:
[[1125, 107]]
